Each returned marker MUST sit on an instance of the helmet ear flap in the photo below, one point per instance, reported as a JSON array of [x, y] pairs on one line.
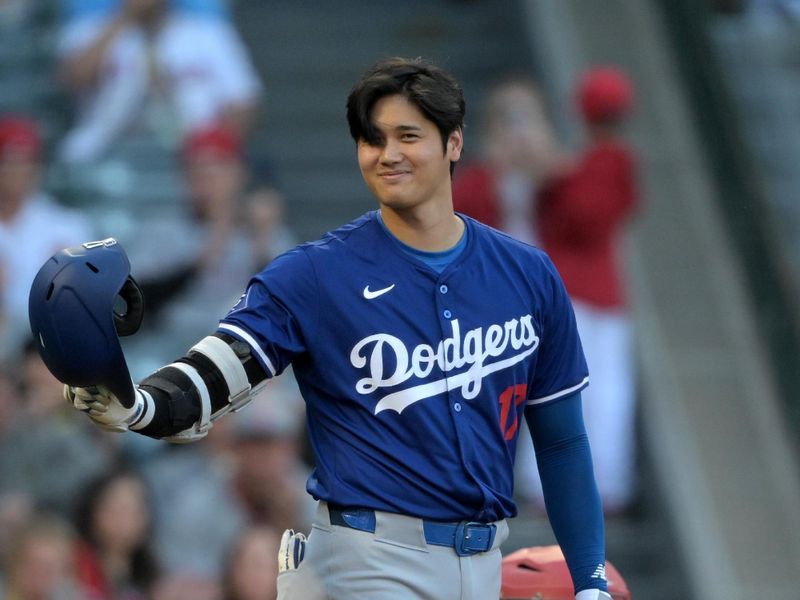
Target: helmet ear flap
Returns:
[[129, 318]]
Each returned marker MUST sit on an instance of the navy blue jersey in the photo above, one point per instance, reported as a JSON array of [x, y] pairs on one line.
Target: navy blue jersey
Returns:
[[415, 382]]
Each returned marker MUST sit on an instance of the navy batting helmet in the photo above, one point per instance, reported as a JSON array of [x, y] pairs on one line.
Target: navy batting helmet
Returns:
[[81, 300]]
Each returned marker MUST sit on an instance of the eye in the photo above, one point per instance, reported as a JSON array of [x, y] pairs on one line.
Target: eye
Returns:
[[409, 137], [377, 142]]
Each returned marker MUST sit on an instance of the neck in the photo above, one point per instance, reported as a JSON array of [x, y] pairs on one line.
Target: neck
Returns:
[[424, 228]]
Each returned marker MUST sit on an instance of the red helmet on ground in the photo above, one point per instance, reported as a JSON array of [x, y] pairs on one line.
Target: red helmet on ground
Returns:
[[540, 573]]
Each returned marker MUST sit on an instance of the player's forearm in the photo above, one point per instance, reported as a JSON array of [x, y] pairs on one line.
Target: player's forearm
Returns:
[[574, 509], [570, 492]]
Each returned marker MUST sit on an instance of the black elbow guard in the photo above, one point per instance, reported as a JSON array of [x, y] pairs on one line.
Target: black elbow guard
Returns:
[[217, 375], [177, 402]]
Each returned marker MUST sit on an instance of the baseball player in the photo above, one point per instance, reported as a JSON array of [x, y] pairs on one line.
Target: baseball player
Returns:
[[419, 339]]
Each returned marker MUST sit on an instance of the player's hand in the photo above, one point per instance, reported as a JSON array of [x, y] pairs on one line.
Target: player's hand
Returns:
[[291, 551], [592, 595], [104, 408]]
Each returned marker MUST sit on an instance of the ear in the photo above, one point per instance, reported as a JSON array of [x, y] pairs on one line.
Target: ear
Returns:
[[455, 143]]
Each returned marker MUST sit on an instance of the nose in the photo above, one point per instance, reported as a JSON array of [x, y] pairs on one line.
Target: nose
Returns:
[[391, 152]]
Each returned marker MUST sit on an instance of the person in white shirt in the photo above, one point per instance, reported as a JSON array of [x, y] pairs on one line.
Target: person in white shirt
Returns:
[[154, 66], [32, 226]]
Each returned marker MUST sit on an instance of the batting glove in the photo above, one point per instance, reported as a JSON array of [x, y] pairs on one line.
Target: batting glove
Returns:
[[105, 409], [592, 595], [291, 551]]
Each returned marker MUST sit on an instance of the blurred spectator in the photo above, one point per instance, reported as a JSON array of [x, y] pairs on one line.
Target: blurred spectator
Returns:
[[114, 558], [8, 397], [216, 176], [269, 474], [251, 569], [575, 208], [39, 562], [582, 218], [197, 514], [14, 13], [15, 506], [210, 255], [246, 471], [47, 453], [788, 10], [519, 150], [159, 66], [32, 226], [225, 235], [75, 9], [264, 218]]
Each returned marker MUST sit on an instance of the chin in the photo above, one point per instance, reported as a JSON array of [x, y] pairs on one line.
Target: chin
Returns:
[[397, 204]]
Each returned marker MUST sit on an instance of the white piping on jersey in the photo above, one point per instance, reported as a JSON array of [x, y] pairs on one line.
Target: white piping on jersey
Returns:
[[565, 392], [451, 353], [251, 342]]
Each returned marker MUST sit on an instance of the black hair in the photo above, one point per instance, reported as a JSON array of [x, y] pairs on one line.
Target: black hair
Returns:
[[144, 565], [434, 91]]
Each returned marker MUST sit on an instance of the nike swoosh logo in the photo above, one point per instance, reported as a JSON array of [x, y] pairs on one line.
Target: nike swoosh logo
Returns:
[[370, 295]]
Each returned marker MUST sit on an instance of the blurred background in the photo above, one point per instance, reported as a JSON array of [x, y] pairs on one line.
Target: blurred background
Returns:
[[208, 136]]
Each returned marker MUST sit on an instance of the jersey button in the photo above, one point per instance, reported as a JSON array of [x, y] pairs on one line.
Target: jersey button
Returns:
[[457, 407], [447, 314], [443, 288]]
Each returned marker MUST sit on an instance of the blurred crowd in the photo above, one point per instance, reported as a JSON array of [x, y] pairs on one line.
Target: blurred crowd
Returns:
[[89, 515], [86, 514]]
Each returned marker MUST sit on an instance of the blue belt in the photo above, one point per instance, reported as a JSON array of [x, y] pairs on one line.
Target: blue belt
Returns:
[[466, 537]]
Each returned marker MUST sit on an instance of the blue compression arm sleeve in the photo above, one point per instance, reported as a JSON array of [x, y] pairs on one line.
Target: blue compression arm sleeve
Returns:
[[570, 491]]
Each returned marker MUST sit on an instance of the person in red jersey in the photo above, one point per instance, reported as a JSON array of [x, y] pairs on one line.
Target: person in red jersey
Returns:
[[581, 218]]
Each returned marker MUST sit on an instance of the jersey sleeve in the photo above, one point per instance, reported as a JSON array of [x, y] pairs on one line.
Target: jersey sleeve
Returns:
[[561, 366], [277, 312]]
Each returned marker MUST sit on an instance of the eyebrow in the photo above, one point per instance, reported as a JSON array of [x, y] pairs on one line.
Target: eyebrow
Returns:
[[400, 128], [378, 133]]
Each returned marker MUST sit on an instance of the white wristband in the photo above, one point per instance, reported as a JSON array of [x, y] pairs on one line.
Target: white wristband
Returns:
[[592, 595]]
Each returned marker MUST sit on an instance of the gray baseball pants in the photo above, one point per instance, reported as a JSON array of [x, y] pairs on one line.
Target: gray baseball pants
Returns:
[[394, 563]]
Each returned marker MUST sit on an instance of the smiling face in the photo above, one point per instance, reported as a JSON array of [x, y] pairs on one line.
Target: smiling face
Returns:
[[408, 167]]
